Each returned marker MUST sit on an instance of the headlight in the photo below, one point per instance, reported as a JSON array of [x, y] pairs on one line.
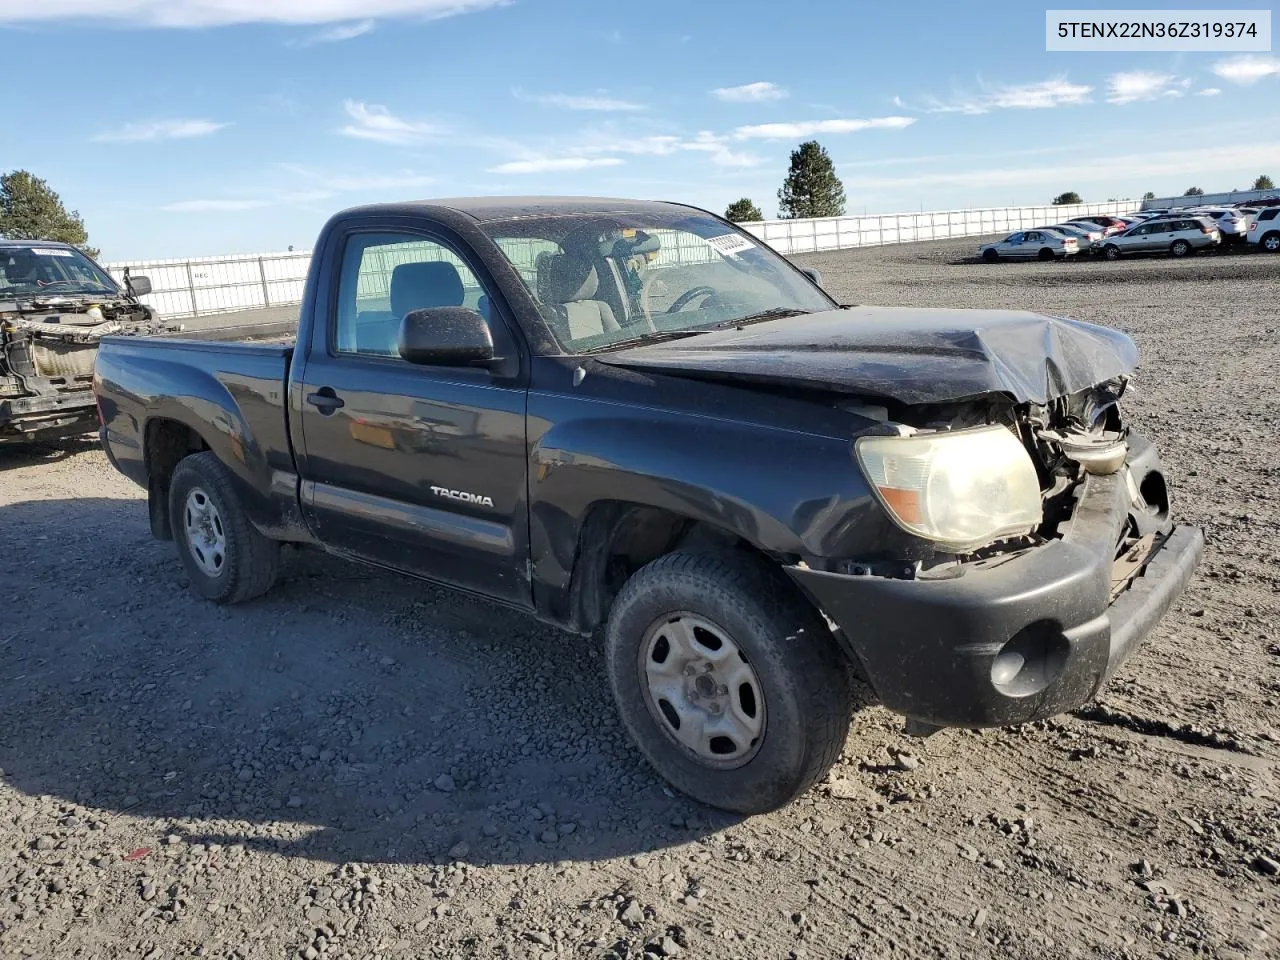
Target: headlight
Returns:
[[961, 489]]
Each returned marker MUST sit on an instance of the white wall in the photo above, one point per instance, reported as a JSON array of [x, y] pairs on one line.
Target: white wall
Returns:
[[186, 288]]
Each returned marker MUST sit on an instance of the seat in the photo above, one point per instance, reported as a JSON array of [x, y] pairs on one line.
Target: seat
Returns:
[[568, 285], [414, 286]]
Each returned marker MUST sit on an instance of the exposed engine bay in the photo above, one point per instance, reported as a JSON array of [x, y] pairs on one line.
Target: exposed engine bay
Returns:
[[47, 349]]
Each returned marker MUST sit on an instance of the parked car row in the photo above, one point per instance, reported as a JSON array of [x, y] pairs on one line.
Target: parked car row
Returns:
[[1175, 232]]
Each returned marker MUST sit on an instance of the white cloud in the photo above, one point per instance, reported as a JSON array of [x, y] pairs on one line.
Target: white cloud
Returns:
[[1056, 92], [160, 130], [1140, 168], [750, 92], [1246, 69], [344, 31], [1208, 92], [214, 206], [328, 182], [807, 128], [566, 101], [1130, 86], [555, 164], [371, 121], [212, 13]]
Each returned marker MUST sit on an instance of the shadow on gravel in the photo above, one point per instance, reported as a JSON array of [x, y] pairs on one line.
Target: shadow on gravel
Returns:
[[15, 455], [350, 715]]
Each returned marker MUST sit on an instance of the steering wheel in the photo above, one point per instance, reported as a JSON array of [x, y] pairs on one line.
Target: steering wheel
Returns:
[[688, 296]]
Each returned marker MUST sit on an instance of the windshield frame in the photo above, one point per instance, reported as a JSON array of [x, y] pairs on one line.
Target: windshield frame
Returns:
[[797, 290], [56, 288]]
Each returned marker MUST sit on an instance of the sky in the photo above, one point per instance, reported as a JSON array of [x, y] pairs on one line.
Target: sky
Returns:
[[202, 127]]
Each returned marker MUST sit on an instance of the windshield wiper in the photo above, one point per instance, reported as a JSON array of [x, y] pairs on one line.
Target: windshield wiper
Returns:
[[656, 337], [773, 313]]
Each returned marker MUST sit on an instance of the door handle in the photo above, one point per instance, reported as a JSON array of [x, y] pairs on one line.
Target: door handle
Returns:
[[325, 400]]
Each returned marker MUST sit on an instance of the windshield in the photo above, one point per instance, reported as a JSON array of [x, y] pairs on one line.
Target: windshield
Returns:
[[46, 271], [604, 279]]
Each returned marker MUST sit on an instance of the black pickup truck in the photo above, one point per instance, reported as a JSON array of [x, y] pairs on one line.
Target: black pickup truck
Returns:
[[633, 418]]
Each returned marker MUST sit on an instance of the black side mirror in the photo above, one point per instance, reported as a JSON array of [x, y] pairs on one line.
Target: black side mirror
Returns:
[[139, 286], [812, 274], [445, 337]]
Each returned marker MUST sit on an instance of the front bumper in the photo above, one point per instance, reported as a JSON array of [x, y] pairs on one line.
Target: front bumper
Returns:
[[48, 413], [1020, 638]]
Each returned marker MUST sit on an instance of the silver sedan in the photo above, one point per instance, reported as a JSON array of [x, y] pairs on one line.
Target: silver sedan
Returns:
[[1038, 244]]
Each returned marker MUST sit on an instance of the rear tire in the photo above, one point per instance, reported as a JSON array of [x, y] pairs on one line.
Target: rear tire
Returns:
[[1111, 251], [990, 256], [1271, 243], [227, 559], [1179, 248], [1045, 253]]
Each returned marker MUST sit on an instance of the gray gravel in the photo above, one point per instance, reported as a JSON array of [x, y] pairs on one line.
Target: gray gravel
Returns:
[[360, 765]]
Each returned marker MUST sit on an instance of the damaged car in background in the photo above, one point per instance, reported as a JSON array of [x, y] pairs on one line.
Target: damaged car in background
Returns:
[[55, 305]]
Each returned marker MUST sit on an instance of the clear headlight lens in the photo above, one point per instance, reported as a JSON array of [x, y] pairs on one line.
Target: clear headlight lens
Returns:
[[962, 489]]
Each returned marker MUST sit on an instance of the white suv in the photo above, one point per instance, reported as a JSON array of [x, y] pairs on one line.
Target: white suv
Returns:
[[1265, 229], [1177, 236]]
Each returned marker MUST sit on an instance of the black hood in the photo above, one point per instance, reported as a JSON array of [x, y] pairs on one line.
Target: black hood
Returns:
[[905, 354]]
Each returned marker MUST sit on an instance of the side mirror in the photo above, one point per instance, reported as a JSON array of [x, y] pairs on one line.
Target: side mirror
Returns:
[[445, 337], [139, 286], [812, 274]]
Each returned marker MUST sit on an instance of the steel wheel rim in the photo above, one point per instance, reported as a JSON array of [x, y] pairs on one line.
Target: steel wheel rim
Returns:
[[206, 535], [701, 691]]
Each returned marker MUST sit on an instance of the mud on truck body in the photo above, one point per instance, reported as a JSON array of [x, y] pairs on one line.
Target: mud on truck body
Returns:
[[55, 305]]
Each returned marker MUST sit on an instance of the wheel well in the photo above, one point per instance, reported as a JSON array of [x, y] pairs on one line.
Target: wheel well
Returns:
[[618, 538], [165, 444]]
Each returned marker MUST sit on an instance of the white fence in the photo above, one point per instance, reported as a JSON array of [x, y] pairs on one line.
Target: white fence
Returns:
[[193, 288], [841, 233], [1233, 196]]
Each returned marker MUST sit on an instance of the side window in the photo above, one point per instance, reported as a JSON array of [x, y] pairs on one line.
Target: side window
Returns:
[[387, 275], [1014, 238], [1142, 231], [1033, 236]]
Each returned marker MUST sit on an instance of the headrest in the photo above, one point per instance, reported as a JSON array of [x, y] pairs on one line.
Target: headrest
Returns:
[[563, 278], [418, 286]]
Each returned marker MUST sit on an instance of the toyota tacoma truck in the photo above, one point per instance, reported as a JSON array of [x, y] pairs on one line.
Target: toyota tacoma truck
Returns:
[[55, 305], [634, 420]]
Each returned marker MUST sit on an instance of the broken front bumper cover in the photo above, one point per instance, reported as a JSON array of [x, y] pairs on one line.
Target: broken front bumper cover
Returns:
[[1030, 636], [36, 414]]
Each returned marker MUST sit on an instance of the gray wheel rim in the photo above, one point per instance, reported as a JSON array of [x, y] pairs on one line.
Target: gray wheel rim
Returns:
[[1272, 243], [1180, 248], [701, 691], [206, 536]]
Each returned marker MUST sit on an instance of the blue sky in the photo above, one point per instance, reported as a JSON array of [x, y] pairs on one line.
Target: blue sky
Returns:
[[199, 127]]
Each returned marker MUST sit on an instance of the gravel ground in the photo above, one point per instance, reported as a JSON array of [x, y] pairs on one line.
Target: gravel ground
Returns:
[[364, 766]]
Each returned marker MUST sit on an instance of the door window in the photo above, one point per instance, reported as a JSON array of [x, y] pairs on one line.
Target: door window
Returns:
[[387, 275]]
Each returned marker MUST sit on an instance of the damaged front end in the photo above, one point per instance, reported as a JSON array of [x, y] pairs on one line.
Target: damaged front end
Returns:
[[47, 350], [1033, 620]]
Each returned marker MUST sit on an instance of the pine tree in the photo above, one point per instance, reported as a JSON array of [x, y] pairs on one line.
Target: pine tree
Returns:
[[1063, 199], [1264, 183], [812, 188], [743, 211], [1194, 192], [29, 210], [1149, 195]]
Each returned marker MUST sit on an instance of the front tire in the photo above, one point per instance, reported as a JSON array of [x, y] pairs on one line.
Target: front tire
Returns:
[[990, 256], [1111, 251], [227, 559], [730, 684]]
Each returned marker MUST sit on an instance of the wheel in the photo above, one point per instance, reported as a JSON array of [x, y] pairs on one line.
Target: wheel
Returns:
[[731, 685], [227, 559], [1111, 251], [1179, 248], [990, 256], [1045, 253], [1271, 243]]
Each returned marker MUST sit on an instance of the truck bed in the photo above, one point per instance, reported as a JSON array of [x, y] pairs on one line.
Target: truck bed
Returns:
[[272, 331]]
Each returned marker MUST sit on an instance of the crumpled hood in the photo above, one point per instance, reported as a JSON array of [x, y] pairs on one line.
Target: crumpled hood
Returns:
[[906, 354]]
